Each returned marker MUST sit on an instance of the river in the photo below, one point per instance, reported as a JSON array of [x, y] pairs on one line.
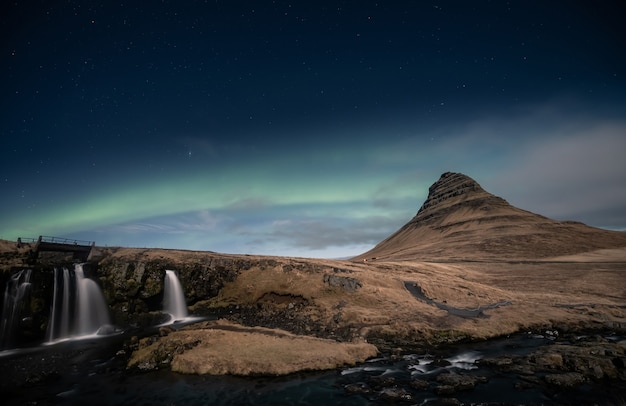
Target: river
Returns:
[[92, 371]]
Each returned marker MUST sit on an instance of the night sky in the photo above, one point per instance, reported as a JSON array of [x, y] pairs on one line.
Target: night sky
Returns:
[[302, 128]]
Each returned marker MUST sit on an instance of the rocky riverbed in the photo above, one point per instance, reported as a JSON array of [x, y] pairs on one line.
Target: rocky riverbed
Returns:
[[521, 369], [540, 367]]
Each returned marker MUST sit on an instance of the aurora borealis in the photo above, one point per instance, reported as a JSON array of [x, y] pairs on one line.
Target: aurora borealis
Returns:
[[307, 129]]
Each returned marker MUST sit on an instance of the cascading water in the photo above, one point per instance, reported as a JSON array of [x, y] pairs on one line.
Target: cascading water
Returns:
[[92, 309], [173, 297], [59, 325], [78, 306], [16, 297]]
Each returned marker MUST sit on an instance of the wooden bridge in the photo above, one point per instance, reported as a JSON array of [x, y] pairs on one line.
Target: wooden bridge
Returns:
[[79, 249]]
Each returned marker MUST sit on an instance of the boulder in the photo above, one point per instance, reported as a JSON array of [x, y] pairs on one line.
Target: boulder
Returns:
[[347, 283], [566, 380], [453, 382], [395, 395]]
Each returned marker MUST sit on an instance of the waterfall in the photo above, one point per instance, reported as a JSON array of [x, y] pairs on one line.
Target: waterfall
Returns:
[[92, 310], [59, 324], [173, 297], [16, 299], [78, 306]]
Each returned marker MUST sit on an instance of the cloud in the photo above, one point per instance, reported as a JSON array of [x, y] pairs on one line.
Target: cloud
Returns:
[[556, 159], [567, 175], [323, 233], [199, 221], [401, 189], [562, 158], [139, 228], [250, 203]]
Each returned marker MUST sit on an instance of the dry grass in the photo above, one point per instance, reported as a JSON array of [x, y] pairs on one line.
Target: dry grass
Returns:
[[541, 293], [13, 257], [219, 348]]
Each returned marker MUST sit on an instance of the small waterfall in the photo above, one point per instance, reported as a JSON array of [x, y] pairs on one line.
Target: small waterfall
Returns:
[[78, 306], [16, 298], [173, 297], [59, 324], [92, 310]]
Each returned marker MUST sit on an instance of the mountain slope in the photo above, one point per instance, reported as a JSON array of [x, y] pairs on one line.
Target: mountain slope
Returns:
[[461, 221]]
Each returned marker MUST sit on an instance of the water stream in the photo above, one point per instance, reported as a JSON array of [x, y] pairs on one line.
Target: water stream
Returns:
[[78, 306], [93, 371], [15, 298], [174, 297], [418, 293]]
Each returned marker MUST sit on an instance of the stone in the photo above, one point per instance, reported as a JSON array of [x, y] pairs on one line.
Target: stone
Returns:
[[347, 283], [453, 382], [165, 330], [566, 380], [395, 395], [380, 382], [420, 384], [358, 388], [548, 361], [498, 362]]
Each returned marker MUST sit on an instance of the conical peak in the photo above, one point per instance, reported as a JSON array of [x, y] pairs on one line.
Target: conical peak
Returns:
[[451, 185], [459, 219]]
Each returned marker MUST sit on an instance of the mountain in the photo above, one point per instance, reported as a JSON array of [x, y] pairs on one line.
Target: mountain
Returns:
[[461, 221]]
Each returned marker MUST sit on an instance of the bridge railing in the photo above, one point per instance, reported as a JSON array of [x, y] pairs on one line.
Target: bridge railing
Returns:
[[55, 240], [61, 240], [26, 239]]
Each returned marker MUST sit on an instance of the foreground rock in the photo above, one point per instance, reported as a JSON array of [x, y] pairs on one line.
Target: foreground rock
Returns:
[[568, 363], [221, 347]]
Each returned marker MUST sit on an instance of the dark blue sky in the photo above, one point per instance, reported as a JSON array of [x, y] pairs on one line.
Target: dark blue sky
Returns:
[[303, 128]]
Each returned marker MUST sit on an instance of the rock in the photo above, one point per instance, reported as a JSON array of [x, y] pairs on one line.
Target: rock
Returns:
[[445, 390], [566, 380], [453, 382], [419, 384], [548, 361], [381, 382], [497, 362], [358, 388], [522, 368], [440, 362], [592, 358], [347, 283], [395, 395], [165, 330], [147, 365], [107, 329]]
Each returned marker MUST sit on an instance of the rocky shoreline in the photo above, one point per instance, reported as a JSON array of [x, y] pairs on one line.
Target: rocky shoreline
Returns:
[[570, 358], [551, 364], [565, 367]]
